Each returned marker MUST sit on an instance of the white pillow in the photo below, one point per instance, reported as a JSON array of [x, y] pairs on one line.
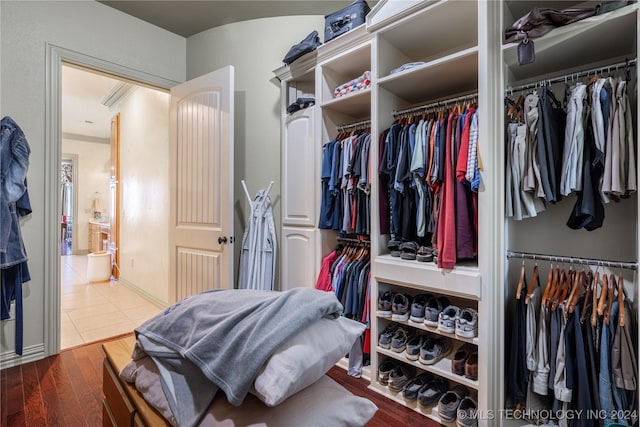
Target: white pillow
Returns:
[[323, 404], [305, 358]]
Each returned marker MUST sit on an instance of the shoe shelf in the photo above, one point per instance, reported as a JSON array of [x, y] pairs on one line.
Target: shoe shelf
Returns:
[[431, 329], [441, 368], [463, 281], [429, 411]]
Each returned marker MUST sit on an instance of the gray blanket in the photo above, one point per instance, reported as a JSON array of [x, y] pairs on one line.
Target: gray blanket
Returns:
[[222, 339]]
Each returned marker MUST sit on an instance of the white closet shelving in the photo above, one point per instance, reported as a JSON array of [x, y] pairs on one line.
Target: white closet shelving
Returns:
[[443, 36], [592, 43], [461, 45]]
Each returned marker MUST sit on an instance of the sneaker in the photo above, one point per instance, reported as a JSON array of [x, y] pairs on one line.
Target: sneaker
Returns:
[[411, 389], [434, 349], [384, 340], [447, 319], [400, 376], [384, 304], [449, 403], [400, 307], [433, 308], [432, 391], [399, 340], [467, 413], [384, 370], [417, 308], [413, 347], [467, 323]]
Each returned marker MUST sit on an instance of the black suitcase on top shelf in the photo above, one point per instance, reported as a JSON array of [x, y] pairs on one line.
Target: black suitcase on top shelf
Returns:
[[345, 19]]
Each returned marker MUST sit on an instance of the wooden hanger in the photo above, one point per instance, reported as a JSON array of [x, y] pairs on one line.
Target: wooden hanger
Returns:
[[547, 287], [594, 301], [558, 289], [589, 290], [562, 300], [521, 281], [535, 282], [603, 295], [576, 291], [610, 296]]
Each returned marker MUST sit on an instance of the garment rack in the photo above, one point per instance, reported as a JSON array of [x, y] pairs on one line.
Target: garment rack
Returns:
[[350, 240], [574, 260], [436, 104], [355, 126], [574, 76]]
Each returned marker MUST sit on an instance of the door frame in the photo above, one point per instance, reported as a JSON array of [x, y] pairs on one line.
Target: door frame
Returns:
[[55, 57]]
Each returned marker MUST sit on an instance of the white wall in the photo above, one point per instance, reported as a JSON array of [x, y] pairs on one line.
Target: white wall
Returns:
[[93, 172], [92, 29], [144, 192], [255, 48]]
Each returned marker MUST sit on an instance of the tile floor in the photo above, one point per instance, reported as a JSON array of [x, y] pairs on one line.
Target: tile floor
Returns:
[[99, 310]]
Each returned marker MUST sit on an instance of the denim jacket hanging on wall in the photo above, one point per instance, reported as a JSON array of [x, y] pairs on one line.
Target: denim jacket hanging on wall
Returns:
[[14, 203]]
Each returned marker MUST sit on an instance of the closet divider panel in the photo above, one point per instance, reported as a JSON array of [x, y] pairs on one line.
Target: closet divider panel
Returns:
[[561, 55], [425, 56]]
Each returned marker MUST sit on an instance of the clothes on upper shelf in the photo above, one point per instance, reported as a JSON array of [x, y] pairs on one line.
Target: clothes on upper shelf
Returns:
[[573, 350], [359, 83], [430, 169], [346, 185], [586, 150], [14, 204]]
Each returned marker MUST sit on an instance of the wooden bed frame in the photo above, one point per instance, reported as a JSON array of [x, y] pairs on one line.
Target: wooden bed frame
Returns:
[[123, 405]]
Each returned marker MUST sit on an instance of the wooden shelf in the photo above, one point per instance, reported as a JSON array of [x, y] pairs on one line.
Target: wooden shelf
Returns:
[[356, 104], [462, 281], [441, 368]]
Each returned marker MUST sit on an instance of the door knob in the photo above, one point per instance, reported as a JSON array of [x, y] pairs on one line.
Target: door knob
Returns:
[[222, 240]]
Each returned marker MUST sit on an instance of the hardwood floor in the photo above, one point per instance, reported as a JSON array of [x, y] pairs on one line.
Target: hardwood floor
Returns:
[[66, 391]]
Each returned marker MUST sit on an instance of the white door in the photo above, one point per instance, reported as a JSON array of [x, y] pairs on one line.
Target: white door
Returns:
[[201, 180]]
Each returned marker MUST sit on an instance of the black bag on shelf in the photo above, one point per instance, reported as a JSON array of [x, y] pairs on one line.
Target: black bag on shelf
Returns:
[[309, 44], [345, 19]]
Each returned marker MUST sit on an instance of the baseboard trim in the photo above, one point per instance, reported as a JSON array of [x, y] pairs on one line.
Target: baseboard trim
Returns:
[[146, 295], [29, 354]]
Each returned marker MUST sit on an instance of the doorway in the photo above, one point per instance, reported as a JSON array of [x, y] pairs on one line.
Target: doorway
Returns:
[[91, 106]]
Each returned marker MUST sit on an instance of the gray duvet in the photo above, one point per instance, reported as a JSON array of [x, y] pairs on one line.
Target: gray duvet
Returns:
[[221, 339]]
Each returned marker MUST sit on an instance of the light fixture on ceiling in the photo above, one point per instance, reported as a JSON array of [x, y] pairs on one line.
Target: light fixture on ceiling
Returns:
[[89, 122]]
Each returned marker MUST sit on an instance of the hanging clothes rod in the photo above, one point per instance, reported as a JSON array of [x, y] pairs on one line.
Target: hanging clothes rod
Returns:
[[436, 104], [359, 125], [354, 241], [574, 260], [574, 76]]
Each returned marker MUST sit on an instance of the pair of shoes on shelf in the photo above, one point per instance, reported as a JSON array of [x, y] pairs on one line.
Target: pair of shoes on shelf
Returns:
[[456, 405], [462, 322], [400, 307], [465, 361], [433, 349], [408, 250], [418, 306], [393, 374], [433, 308], [425, 254], [395, 306]]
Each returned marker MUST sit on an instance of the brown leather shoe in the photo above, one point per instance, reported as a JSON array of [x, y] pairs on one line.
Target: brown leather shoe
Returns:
[[471, 366], [460, 358]]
